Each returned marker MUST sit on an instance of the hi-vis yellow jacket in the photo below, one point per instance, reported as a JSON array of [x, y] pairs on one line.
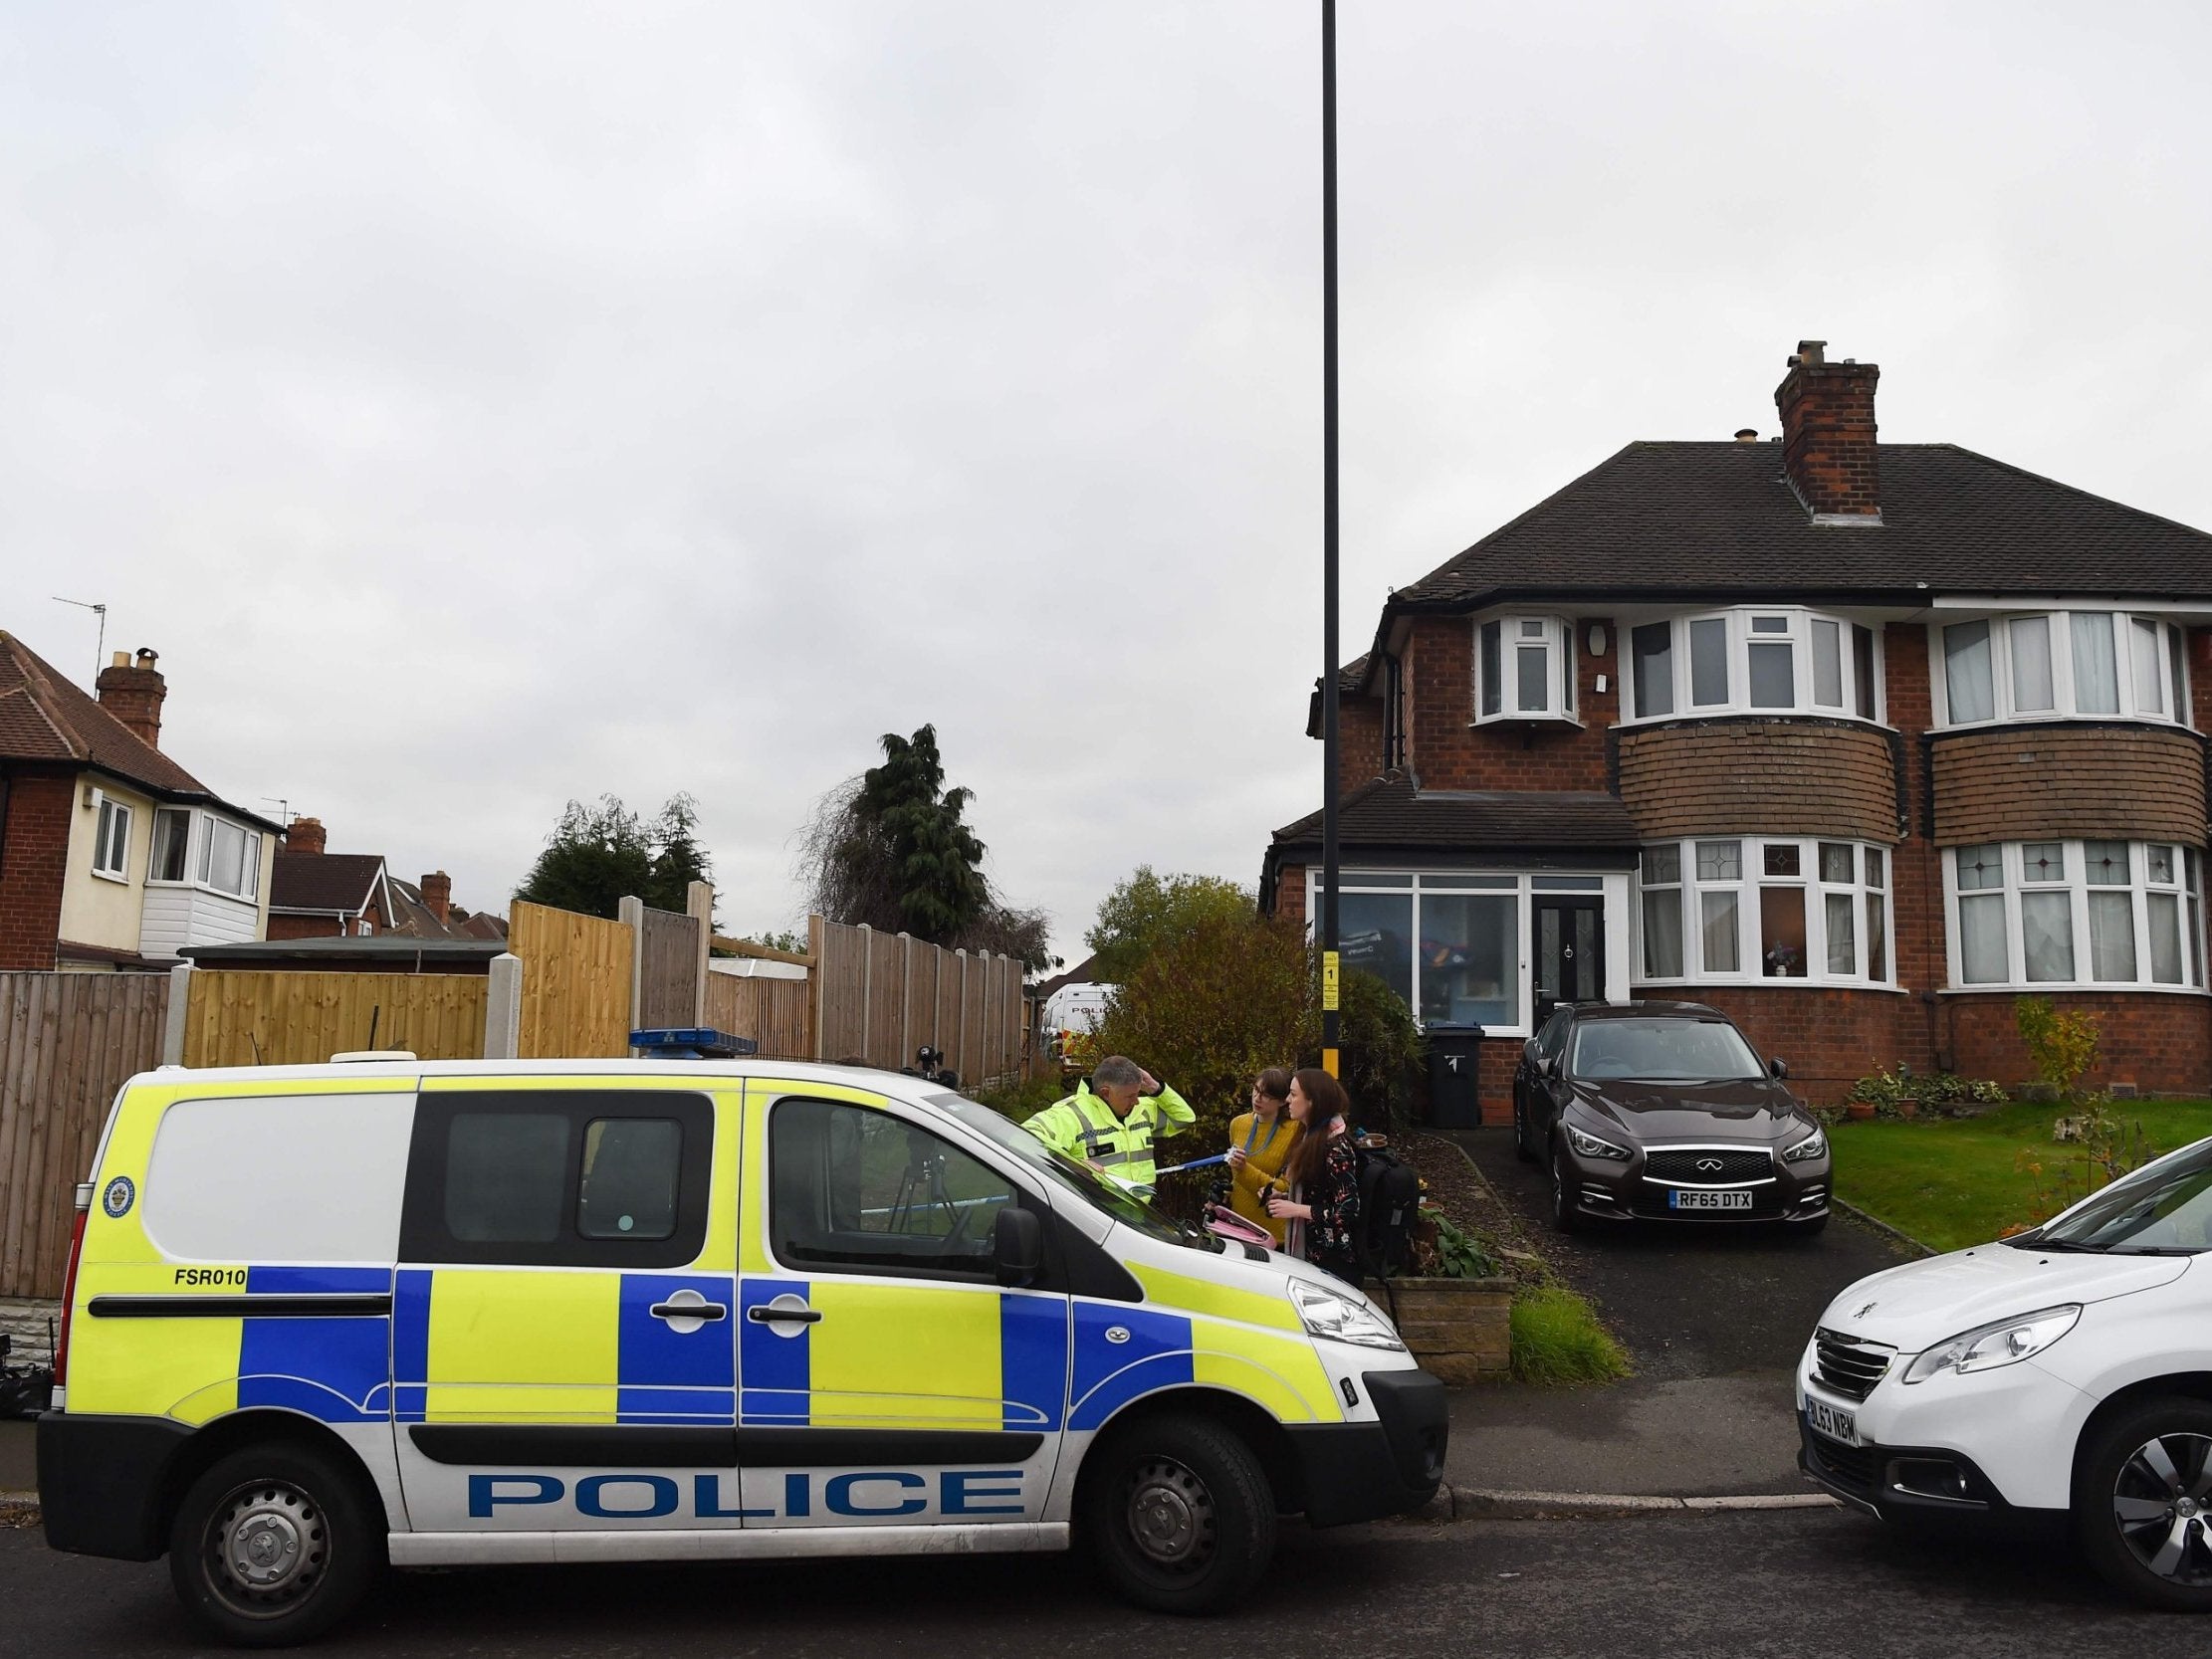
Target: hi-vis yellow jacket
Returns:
[[1084, 1127]]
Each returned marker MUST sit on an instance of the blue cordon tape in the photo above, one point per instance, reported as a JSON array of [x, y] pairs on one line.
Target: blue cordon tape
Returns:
[[1194, 1163]]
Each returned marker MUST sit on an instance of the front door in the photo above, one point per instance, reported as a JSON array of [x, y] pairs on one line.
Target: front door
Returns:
[[1570, 950], [885, 1377], [564, 1347]]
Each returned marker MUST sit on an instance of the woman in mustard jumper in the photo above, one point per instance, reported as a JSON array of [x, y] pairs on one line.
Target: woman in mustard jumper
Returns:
[[1259, 1143]]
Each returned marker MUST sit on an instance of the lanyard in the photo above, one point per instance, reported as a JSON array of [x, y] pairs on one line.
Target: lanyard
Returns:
[[1274, 1123]]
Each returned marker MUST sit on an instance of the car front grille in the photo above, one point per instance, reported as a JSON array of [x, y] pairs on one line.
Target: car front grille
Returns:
[[1709, 1166], [1850, 1467], [1848, 1367]]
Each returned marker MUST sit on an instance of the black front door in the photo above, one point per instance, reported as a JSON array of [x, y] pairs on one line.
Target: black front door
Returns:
[[1570, 950]]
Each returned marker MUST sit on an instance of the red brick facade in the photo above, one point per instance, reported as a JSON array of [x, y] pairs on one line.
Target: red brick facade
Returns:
[[33, 862]]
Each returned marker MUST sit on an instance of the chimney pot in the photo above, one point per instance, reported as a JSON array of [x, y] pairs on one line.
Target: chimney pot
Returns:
[[1747, 434], [305, 836], [133, 693]]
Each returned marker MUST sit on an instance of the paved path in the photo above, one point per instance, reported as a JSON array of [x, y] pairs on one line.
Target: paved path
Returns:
[[1785, 1584], [1713, 1319]]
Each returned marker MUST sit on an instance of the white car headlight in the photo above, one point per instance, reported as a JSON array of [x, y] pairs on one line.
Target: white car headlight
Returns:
[[1340, 1319], [1813, 1146], [2002, 1342], [1590, 1145]]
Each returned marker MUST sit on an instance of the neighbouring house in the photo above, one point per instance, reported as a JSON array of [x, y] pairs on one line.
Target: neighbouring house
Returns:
[[1858, 742], [113, 855], [319, 894]]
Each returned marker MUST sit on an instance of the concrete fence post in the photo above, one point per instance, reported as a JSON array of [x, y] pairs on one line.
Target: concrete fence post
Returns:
[[867, 992], [631, 913], [173, 1017], [699, 905], [906, 996], [502, 1008]]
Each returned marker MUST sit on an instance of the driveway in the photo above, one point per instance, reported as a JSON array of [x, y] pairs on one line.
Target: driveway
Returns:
[[1713, 1319]]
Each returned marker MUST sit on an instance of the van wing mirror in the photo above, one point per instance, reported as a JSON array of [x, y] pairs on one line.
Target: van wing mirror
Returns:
[[1017, 1245], [1778, 1067]]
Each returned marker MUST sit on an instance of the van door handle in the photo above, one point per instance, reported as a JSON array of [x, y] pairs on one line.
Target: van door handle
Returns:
[[710, 1311], [769, 1313]]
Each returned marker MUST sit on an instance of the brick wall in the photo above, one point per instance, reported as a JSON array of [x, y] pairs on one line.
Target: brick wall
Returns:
[[33, 862], [1760, 778], [2159, 1042], [1359, 741], [306, 927], [1829, 1036], [1290, 891], [1917, 897], [1447, 750], [2097, 782]]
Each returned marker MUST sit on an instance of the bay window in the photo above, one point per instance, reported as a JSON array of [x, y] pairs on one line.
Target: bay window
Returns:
[[230, 858], [1780, 660], [1764, 908], [2061, 665], [172, 844], [2037, 914], [1525, 669]]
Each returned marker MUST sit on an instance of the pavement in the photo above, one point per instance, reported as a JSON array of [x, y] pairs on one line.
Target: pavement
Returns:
[[1672, 1586], [19, 1463], [1713, 1319]]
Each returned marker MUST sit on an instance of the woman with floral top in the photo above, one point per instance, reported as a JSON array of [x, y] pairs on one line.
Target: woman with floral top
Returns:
[[1323, 1209]]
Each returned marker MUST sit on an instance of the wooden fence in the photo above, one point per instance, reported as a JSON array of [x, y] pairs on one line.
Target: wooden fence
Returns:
[[881, 996], [667, 968], [68, 1042], [239, 1017], [575, 984], [776, 1013]]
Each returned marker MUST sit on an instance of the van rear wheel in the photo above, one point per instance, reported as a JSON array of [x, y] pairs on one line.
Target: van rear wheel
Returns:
[[1179, 1516], [273, 1544]]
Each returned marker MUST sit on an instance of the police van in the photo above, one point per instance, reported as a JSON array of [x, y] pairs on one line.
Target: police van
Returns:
[[322, 1317]]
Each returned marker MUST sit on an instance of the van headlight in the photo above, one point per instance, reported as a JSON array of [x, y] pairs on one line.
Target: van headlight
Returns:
[[1813, 1146], [1590, 1145], [1340, 1319], [1987, 1346]]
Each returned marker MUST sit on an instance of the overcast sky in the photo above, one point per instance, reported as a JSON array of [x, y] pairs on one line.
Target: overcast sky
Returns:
[[482, 406]]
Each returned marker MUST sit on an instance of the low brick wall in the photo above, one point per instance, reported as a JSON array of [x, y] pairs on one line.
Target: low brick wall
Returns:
[[2161, 1042], [1460, 1330]]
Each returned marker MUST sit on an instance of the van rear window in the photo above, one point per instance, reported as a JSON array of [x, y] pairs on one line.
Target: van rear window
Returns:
[[506, 1176]]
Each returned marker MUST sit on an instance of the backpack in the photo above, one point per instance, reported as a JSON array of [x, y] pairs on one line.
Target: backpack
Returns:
[[1390, 1199]]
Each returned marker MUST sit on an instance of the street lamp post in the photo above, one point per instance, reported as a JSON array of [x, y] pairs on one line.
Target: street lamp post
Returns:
[[1330, 1056]]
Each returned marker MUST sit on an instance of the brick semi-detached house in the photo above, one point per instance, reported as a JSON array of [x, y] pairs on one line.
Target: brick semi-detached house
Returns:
[[1858, 742]]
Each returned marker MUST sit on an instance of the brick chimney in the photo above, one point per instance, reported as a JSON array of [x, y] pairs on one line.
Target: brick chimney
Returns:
[[437, 895], [305, 836], [1828, 436], [133, 691]]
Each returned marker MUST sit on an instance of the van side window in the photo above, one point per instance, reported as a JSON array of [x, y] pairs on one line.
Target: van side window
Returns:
[[558, 1178], [860, 1190]]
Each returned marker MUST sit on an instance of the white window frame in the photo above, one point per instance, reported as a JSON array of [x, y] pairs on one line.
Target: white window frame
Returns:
[[202, 860], [112, 827], [1614, 886], [2186, 890], [1796, 631], [1749, 880], [2060, 621], [191, 846], [1555, 635]]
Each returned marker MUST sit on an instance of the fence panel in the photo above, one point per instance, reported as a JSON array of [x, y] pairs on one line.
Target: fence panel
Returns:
[[237, 1017], [773, 1012], [888, 959], [884, 995], [68, 1042], [668, 969], [575, 984], [843, 972]]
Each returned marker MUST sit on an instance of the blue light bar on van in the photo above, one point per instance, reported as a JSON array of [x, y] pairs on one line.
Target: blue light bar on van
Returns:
[[690, 1042]]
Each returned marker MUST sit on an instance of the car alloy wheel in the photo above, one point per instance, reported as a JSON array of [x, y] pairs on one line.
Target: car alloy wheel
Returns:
[[2163, 1505], [1563, 1214]]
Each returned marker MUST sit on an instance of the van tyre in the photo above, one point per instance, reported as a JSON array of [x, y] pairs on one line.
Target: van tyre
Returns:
[[1178, 1516], [2143, 1503], [273, 1544]]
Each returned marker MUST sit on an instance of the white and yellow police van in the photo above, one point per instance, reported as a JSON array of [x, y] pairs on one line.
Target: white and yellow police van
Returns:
[[325, 1317]]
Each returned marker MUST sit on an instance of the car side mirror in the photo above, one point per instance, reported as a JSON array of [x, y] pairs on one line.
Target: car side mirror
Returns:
[[1549, 1065], [1017, 1246], [1778, 1067]]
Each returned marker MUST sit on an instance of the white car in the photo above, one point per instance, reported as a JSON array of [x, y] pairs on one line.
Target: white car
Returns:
[[2061, 1380]]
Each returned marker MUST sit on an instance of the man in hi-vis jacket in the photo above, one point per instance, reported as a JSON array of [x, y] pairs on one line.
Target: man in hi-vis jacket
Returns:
[[1112, 1119]]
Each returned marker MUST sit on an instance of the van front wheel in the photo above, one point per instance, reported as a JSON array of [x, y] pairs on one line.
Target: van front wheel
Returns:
[[1179, 1516], [273, 1544]]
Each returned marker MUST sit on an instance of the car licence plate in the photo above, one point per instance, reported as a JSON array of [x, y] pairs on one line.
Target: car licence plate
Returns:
[[1680, 1201], [1826, 1419]]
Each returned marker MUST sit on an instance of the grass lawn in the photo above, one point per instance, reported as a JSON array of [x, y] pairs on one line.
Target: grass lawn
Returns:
[[1951, 1182]]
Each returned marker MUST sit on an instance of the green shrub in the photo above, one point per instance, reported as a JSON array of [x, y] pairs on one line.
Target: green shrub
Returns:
[[1023, 1101], [1451, 1253], [1557, 1338], [2063, 1046], [1938, 1092], [1382, 1048]]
